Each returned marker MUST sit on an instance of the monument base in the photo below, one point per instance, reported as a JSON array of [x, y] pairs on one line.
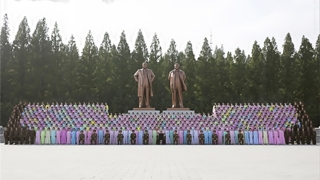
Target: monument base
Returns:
[[178, 111], [144, 111]]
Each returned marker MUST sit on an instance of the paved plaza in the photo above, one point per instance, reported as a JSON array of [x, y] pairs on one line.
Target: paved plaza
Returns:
[[159, 162]]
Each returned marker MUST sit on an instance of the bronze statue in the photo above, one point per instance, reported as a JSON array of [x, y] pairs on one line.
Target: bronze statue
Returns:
[[144, 77], [177, 85]]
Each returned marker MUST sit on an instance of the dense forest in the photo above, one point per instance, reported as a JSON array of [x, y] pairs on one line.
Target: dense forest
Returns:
[[39, 67]]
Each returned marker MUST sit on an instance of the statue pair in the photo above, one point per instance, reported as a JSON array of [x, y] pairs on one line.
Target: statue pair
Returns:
[[145, 77]]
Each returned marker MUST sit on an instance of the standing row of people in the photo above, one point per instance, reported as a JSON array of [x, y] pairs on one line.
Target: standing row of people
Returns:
[[111, 136]]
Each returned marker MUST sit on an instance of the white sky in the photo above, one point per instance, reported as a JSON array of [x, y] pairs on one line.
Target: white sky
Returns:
[[233, 23]]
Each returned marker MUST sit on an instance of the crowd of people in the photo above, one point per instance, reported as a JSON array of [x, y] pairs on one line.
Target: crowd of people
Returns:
[[250, 124]]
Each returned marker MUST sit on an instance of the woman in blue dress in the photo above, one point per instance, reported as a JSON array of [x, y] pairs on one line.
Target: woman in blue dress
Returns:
[[73, 137], [255, 137]]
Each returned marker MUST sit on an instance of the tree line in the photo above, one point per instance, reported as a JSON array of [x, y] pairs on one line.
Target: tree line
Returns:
[[39, 67]]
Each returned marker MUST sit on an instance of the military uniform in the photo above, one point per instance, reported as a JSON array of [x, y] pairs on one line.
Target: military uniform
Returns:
[[16, 136], [201, 138], [228, 139], [314, 137], [146, 138], [81, 138], [297, 135], [189, 138], [6, 136], [214, 138], [11, 136], [107, 138], [161, 138], [94, 138], [133, 138], [175, 138], [303, 137], [240, 138], [308, 137], [120, 138], [286, 136], [32, 135]]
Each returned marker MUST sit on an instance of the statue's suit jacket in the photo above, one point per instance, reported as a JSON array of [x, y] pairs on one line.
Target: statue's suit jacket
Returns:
[[150, 76], [182, 77]]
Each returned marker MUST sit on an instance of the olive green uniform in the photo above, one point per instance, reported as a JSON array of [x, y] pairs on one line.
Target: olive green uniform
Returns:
[[32, 135], [228, 139], [6, 136], [146, 138], [175, 138], [81, 139], [94, 137], [133, 138], [120, 138], [214, 139], [189, 138], [201, 139], [240, 138], [107, 138]]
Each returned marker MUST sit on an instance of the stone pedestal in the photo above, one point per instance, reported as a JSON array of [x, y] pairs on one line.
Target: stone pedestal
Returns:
[[144, 111], [178, 110]]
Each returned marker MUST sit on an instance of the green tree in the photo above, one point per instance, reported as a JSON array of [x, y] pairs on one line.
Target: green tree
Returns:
[[272, 67], [87, 70], [289, 72], [204, 67], [40, 62], [155, 59], [5, 57], [69, 70], [105, 68]]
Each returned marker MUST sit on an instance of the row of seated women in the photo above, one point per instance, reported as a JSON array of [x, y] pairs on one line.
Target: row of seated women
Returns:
[[72, 136]]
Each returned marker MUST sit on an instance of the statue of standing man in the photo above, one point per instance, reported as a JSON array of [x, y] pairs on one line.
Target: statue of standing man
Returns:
[[177, 85], [144, 77]]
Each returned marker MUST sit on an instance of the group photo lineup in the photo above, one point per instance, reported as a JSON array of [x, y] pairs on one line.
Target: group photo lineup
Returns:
[[159, 89]]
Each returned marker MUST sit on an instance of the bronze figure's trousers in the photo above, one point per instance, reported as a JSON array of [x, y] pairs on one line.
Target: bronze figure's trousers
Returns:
[[177, 92], [32, 140], [144, 100]]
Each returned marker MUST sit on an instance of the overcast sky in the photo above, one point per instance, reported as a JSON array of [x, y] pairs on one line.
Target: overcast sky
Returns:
[[233, 23]]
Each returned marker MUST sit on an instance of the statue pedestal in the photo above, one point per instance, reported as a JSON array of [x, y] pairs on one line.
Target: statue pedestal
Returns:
[[144, 111], [178, 110]]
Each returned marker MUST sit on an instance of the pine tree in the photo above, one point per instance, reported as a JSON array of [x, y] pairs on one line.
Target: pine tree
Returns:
[[104, 70], [238, 76], [155, 59], [5, 57], [204, 67], [189, 63], [86, 71], [256, 74], [69, 69], [289, 71], [272, 65], [40, 61], [57, 61], [307, 72]]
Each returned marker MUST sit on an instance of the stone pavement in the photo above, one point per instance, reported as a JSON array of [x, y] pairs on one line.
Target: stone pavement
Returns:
[[159, 162]]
